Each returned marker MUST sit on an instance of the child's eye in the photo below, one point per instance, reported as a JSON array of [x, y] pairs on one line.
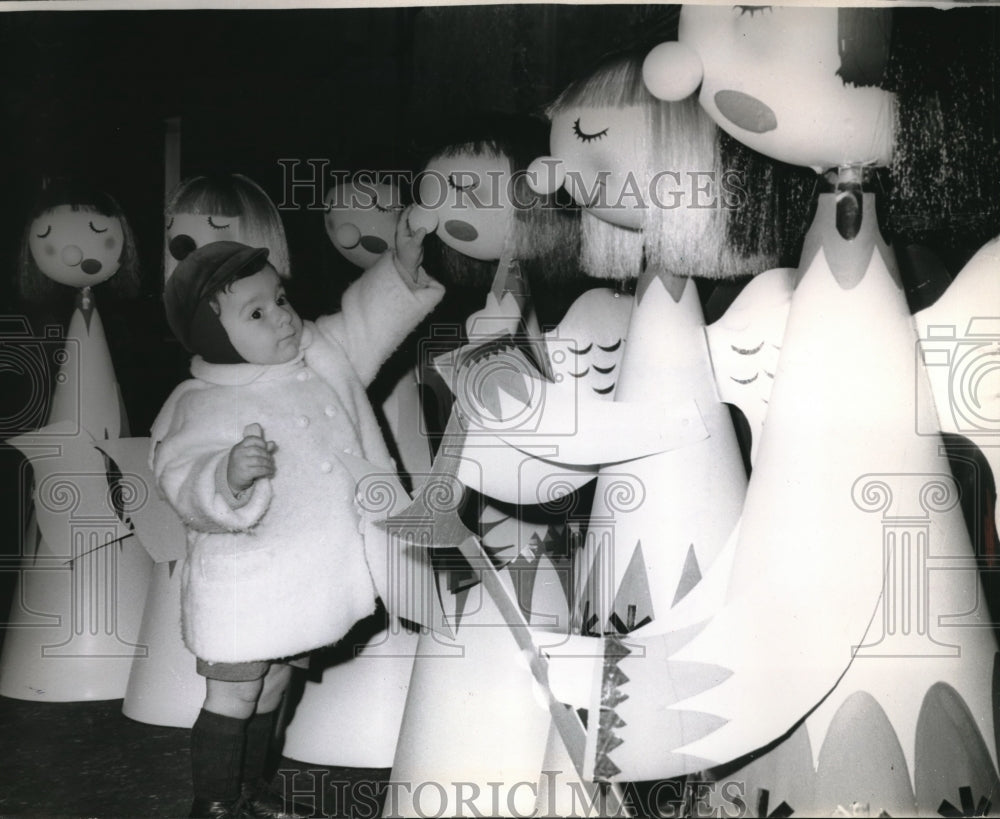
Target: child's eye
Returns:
[[48, 230], [282, 300], [585, 137], [452, 177], [218, 227], [97, 230], [256, 314]]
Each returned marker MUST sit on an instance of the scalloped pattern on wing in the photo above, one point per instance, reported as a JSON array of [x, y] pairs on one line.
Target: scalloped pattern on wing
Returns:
[[745, 344]]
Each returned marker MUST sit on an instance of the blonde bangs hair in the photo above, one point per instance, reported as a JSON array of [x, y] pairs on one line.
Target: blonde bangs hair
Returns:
[[237, 196], [681, 233]]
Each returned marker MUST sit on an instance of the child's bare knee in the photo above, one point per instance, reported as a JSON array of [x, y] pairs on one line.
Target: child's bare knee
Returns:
[[234, 699]]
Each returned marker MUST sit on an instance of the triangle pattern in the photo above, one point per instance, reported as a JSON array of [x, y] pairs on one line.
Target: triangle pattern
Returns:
[[690, 576], [633, 604]]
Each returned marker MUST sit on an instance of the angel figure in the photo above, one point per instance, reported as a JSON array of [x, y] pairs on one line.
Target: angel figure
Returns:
[[848, 666], [77, 609]]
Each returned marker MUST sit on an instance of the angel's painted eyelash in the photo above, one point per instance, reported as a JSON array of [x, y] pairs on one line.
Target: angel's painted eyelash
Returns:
[[453, 184], [752, 10], [217, 227], [48, 230], [97, 230], [585, 137]]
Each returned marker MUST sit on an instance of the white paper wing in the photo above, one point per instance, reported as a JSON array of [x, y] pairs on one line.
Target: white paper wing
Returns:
[[745, 344], [959, 350]]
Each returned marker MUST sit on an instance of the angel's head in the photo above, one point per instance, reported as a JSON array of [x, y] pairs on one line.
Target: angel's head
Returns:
[[473, 191], [799, 84], [228, 207], [651, 176], [906, 89], [361, 219], [76, 236]]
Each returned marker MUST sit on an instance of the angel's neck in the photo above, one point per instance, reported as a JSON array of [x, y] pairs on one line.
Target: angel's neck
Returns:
[[846, 227]]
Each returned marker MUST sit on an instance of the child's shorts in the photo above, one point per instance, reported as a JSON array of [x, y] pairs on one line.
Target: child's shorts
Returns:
[[245, 672]]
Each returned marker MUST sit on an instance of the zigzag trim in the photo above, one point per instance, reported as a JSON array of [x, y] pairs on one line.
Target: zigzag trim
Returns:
[[611, 695]]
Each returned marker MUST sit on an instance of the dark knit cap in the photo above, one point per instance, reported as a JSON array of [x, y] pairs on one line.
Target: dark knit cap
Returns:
[[188, 294]]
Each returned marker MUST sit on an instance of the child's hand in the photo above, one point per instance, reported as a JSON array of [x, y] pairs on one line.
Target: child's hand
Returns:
[[409, 252], [251, 459]]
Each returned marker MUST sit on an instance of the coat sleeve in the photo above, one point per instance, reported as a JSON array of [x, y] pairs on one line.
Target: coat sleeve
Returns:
[[187, 463], [379, 312]]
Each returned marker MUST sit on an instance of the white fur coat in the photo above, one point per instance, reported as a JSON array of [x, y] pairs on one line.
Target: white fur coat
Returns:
[[284, 572]]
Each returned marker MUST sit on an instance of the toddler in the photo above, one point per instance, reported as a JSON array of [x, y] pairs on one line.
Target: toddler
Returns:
[[247, 454]]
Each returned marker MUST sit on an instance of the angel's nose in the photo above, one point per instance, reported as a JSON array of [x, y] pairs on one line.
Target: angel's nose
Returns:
[[672, 71]]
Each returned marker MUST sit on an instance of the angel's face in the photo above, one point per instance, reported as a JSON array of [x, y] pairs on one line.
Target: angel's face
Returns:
[[600, 150], [187, 232], [361, 220], [771, 77], [472, 197], [79, 248]]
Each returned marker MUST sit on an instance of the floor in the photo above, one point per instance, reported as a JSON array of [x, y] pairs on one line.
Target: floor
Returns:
[[86, 759]]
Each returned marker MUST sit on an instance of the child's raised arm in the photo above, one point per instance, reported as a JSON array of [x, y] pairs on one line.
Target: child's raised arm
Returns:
[[381, 308], [409, 252]]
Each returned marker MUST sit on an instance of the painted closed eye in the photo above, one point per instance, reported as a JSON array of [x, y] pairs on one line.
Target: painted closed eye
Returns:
[[752, 10], [97, 230], [453, 184], [217, 227], [48, 230], [583, 136], [390, 208], [170, 224]]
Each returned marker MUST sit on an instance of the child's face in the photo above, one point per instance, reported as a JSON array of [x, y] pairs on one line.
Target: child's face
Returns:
[[260, 323]]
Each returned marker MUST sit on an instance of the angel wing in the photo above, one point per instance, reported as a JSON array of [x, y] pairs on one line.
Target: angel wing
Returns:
[[527, 434], [959, 350], [586, 348], [745, 343]]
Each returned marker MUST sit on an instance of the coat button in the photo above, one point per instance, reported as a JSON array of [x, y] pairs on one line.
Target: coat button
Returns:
[[302, 421], [330, 411], [326, 466]]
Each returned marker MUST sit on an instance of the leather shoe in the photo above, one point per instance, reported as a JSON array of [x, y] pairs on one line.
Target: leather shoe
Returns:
[[263, 803], [212, 809]]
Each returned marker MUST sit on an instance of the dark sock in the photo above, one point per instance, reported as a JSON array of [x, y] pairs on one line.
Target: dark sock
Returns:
[[217, 744], [260, 733]]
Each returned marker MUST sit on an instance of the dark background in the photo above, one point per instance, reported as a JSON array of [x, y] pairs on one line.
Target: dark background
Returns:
[[89, 92]]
